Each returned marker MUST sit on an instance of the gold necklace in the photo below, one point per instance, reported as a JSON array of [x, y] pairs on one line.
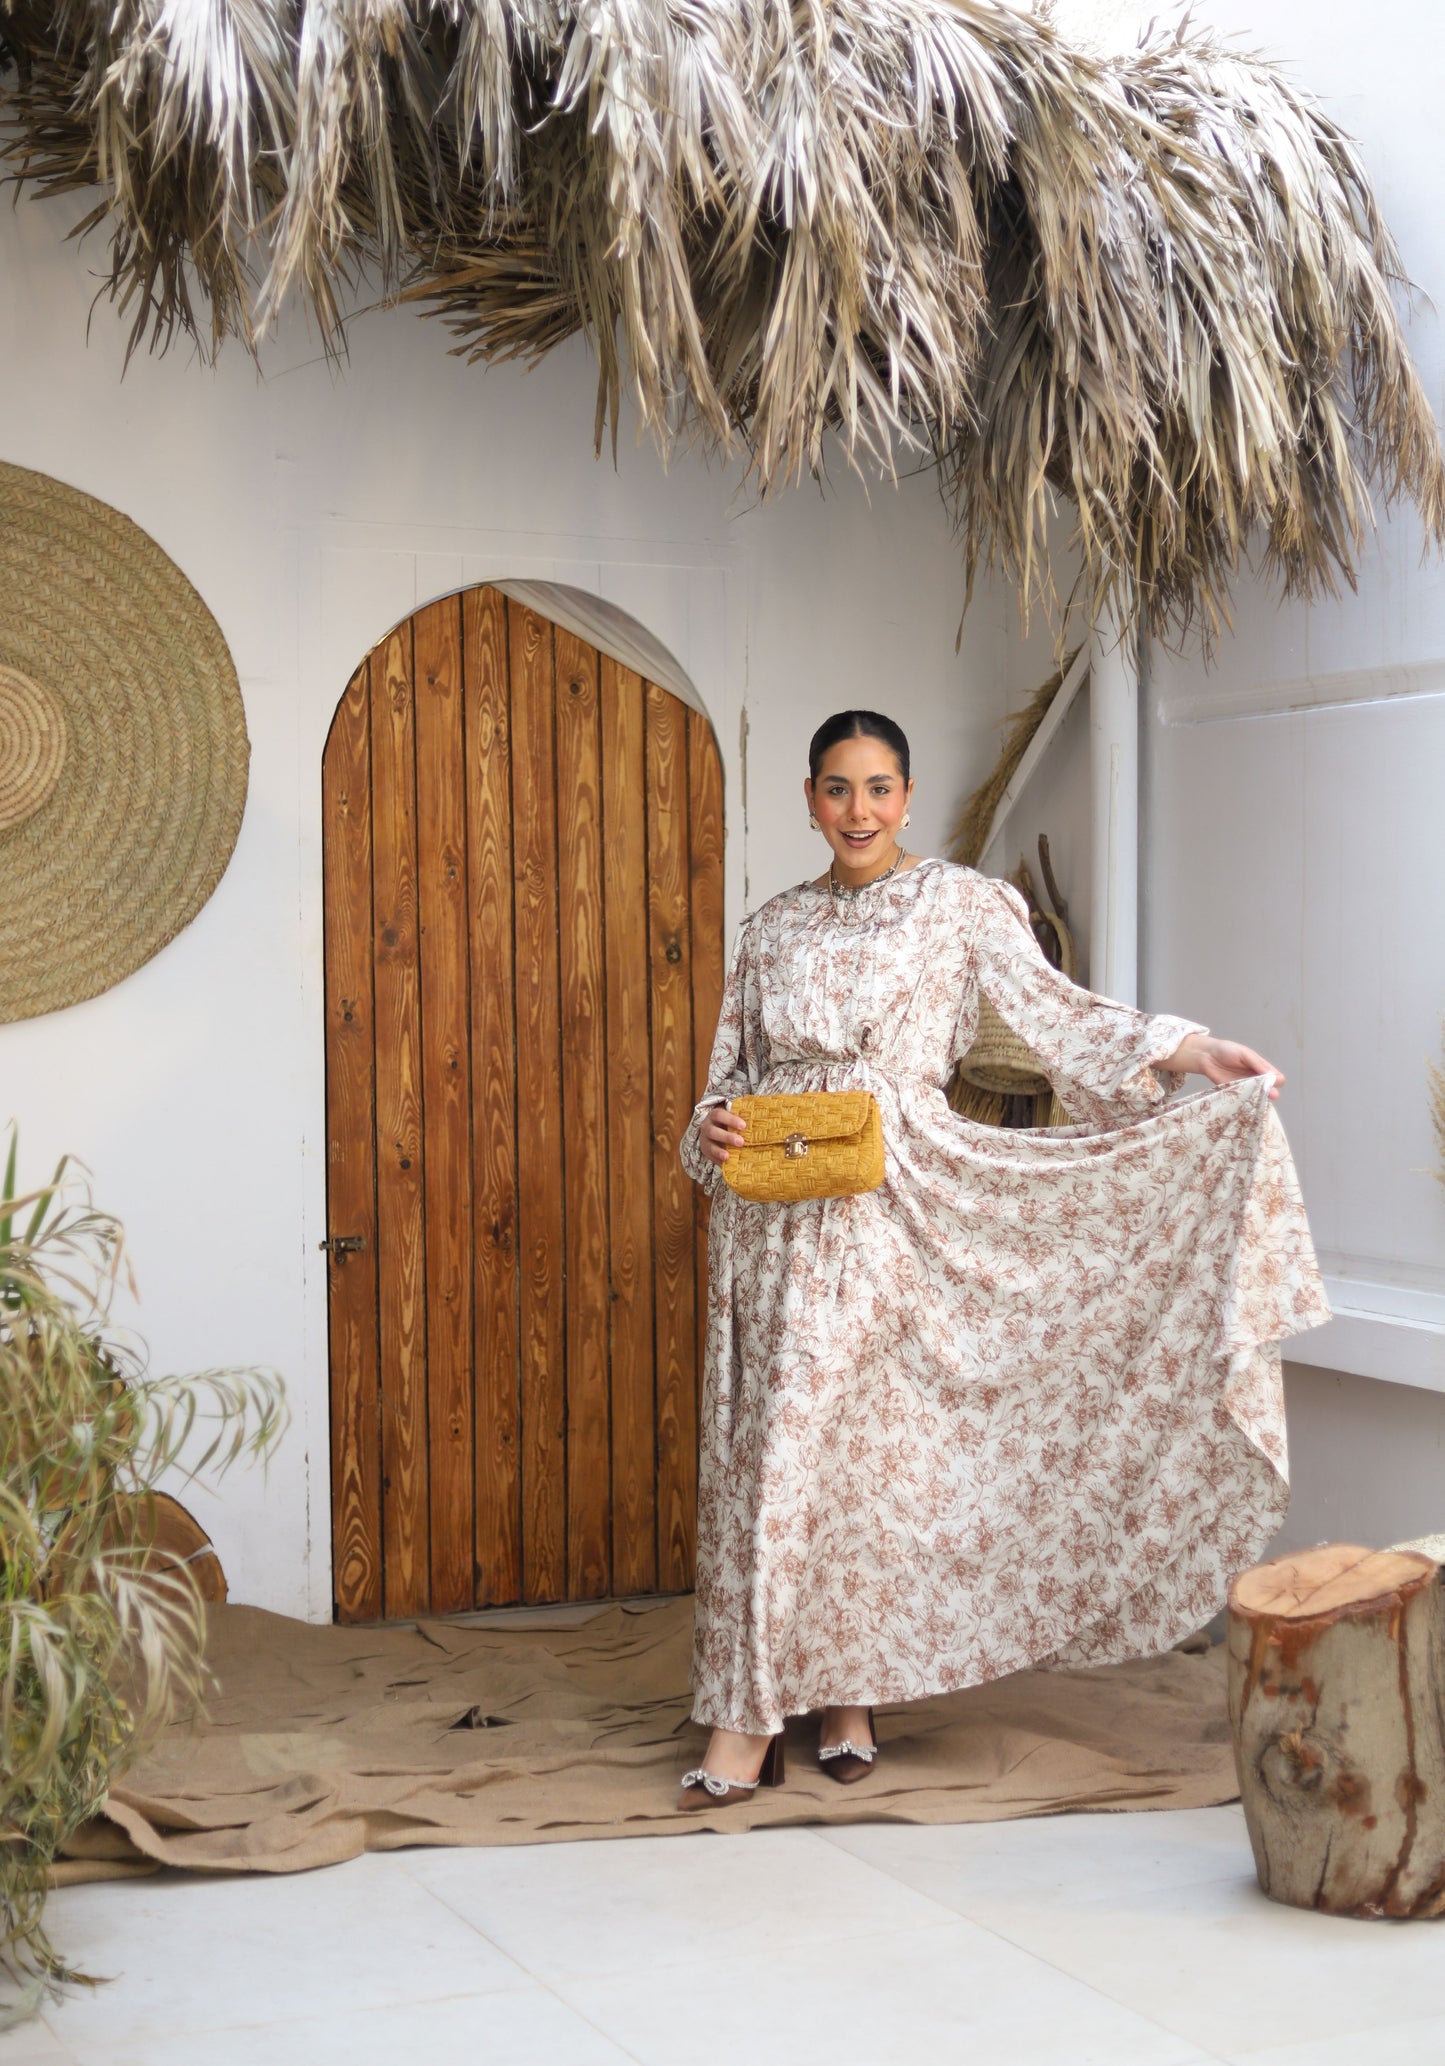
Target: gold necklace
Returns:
[[852, 892]]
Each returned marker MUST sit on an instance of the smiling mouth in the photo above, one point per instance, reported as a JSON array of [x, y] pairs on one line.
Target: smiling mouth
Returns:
[[859, 838]]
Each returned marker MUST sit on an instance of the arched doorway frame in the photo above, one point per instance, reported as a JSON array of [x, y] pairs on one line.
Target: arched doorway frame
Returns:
[[361, 1586]]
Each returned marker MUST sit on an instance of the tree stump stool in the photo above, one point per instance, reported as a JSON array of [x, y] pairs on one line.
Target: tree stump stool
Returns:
[[180, 1539], [1337, 1706]]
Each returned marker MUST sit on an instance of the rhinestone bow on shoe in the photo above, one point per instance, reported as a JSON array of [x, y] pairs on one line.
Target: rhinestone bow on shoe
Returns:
[[718, 1788], [847, 1749], [847, 1762], [700, 1786]]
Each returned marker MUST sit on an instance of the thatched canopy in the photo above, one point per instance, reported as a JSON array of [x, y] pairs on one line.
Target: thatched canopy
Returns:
[[1158, 286]]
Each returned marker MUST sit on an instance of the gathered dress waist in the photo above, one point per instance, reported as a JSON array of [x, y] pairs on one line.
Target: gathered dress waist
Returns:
[[842, 1072]]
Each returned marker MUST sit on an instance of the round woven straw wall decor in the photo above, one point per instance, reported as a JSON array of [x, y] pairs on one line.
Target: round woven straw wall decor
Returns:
[[32, 747], [123, 748]]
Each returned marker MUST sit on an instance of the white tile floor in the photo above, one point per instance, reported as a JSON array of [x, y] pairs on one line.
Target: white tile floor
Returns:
[[1088, 1940]]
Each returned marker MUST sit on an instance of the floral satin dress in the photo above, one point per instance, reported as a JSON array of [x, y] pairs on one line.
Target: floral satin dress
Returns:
[[1023, 1403]]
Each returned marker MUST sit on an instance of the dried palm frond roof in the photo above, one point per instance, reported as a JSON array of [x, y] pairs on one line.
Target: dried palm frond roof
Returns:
[[1157, 285]]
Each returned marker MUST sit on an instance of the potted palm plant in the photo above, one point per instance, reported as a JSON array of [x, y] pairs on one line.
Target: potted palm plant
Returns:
[[101, 1642]]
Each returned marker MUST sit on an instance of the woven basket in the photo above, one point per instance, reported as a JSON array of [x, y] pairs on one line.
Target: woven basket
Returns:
[[123, 748], [1000, 1061]]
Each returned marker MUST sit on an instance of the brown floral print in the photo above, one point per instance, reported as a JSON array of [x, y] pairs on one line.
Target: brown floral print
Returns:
[[1023, 1403]]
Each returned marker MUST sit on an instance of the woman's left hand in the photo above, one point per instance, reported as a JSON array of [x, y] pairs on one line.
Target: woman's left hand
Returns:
[[1222, 1061]]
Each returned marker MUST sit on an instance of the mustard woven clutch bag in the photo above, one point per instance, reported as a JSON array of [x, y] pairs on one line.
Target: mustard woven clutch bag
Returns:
[[814, 1144]]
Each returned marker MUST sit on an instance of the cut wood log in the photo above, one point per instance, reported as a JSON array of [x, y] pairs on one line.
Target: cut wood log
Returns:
[[1337, 1706], [167, 1534], [179, 1538]]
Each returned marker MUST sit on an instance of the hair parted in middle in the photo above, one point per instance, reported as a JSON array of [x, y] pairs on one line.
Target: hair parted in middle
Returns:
[[857, 724]]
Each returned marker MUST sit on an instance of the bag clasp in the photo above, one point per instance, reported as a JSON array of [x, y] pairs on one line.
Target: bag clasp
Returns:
[[795, 1145]]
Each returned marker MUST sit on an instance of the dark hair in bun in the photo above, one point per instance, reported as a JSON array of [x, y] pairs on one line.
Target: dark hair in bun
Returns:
[[857, 724]]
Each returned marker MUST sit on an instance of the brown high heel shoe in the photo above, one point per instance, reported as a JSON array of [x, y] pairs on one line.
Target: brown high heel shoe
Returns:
[[702, 1789], [849, 1762]]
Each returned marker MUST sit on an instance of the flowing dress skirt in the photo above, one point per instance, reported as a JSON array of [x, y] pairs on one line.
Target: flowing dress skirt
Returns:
[[1020, 1405]]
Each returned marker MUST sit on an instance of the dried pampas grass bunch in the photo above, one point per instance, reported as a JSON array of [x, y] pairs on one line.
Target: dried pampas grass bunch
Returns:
[[101, 1642], [1157, 286]]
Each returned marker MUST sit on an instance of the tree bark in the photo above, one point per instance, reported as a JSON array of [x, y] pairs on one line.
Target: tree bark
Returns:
[[180, 1539], [1337, 1706]]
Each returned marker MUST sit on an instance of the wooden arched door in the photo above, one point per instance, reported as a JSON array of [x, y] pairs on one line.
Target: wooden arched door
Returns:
[[523, 869]]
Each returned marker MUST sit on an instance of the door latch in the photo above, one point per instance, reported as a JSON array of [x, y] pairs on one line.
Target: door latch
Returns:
[[343, 1244]]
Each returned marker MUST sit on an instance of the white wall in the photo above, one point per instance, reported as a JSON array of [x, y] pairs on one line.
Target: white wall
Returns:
[[1292, 868], [1296, 837], [1294, 844], [1293, 841], [1057, 799], [1367, 1460], [312, 508]]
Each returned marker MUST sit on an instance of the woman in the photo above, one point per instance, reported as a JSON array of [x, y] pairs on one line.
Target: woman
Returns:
[[1021, 1404]]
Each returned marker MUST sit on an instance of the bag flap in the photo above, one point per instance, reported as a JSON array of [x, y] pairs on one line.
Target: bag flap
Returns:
[[828, 1115]]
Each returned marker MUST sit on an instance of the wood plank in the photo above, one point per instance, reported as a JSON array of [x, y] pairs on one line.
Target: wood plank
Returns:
[[705, 877], [498, 1485], [401, 1239], [1038, 746], [446, 1095], [541, 1239], [351, 1159], [629, 1132], [670, 986], [584, 1117]]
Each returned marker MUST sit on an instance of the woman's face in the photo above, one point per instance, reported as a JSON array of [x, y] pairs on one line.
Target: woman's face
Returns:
[[859, 800]]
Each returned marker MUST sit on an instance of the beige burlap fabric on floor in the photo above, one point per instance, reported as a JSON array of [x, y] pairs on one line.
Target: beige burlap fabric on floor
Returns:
[[325, 1742], [123, 749]]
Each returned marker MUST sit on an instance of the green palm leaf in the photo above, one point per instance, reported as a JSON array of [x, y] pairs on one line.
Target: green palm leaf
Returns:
[[100, 1646]]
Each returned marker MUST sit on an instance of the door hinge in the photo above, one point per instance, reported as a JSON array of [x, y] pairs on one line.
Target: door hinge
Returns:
[[343, 1244]]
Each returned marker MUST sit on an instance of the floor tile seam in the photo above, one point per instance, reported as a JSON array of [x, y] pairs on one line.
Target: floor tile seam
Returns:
[[943, 1913], [537, 1979], [601, 2030], [1101, 1993], [584, 2016], [1034, 1818], [945, 1918], [837, 1833], [722, 1961], [476, 1929], [1117, 2001], [838, 1841], [1197, 2053], [1167, 1891], [1200, 1879]]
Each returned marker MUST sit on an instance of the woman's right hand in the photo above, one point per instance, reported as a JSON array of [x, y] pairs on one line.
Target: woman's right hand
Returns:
[[718, 1130]]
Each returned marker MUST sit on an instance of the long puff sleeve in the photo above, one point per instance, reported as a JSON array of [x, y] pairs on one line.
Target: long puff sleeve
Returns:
[[739, 1053], [1101, 1057]]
